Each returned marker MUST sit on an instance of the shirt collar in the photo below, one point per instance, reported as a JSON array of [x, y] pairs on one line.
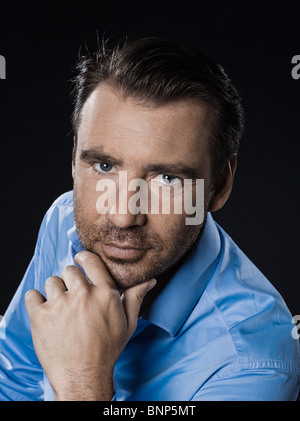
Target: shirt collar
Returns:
[[76, 246], [177, 300]]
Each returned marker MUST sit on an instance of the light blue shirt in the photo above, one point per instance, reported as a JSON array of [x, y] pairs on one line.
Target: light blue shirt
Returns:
[[218, 331]]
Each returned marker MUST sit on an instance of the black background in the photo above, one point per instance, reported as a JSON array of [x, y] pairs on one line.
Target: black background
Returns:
[[254, 41]]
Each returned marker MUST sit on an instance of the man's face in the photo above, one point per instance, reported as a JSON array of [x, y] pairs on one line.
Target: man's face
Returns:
[[165, 144]]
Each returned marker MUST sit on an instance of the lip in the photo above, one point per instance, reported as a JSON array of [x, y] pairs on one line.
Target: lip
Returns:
[[123, 251]]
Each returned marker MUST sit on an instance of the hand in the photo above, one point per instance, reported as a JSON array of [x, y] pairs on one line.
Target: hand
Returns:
[[81, 329]]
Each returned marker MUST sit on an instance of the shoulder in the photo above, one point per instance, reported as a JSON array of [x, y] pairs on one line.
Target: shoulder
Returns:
[[65, 200], [57, 220], [53, 244], [254, 314], [61, 208], [239, 289]]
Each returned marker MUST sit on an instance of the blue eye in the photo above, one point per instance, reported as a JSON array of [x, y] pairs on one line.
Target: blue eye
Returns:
[[102, 167], [167, 179]]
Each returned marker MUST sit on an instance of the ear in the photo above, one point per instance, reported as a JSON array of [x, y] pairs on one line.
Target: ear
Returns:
[[223, 186]]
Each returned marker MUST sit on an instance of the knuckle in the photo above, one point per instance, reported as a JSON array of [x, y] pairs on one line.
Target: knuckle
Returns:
[[69, 270], [86, 256], [29, 294], [31, 297], [52, 280]]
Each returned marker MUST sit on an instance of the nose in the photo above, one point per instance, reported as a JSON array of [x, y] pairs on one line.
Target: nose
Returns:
[[123, 215], [126, 220]]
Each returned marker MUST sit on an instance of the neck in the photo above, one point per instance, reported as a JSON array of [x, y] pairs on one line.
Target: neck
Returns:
[[164, 278]]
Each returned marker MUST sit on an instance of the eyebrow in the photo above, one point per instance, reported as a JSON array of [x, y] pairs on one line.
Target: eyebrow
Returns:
[[97, 155], [174, 169]]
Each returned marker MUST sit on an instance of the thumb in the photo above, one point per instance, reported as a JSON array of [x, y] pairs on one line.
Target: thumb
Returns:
[[132, 300]]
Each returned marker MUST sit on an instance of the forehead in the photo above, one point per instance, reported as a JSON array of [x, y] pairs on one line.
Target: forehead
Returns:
[[178, 131]]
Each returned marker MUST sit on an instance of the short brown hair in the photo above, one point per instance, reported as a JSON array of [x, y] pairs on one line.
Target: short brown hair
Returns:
[[160, 71]]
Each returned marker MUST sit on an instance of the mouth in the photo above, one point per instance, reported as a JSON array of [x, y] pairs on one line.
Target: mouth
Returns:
[[123, 251]]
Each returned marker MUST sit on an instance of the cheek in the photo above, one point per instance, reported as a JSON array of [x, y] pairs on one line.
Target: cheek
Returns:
[[175, 237], [167, 227], [86, 193]]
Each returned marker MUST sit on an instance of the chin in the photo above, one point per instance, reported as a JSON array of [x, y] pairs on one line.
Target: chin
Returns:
[[125, 275], [127, 272], [127, 278]]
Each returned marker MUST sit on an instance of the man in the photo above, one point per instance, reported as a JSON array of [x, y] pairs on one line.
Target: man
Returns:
[[128, 304]]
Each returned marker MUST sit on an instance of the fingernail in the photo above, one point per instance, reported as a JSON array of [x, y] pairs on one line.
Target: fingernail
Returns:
[[151, 284]]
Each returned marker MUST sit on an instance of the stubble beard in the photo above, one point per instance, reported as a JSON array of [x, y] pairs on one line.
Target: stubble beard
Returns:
[[152, 264]]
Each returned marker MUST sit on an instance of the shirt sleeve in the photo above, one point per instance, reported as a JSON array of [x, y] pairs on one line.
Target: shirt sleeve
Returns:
[[21, 375], [261, 384]]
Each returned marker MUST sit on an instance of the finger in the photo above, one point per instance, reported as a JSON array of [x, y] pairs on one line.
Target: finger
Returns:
[[132, 300], [54, 286], [95, 269], [73, 277], [33, 299]]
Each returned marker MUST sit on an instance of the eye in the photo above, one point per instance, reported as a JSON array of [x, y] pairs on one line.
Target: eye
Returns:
[[168, 179], [103, 167]]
